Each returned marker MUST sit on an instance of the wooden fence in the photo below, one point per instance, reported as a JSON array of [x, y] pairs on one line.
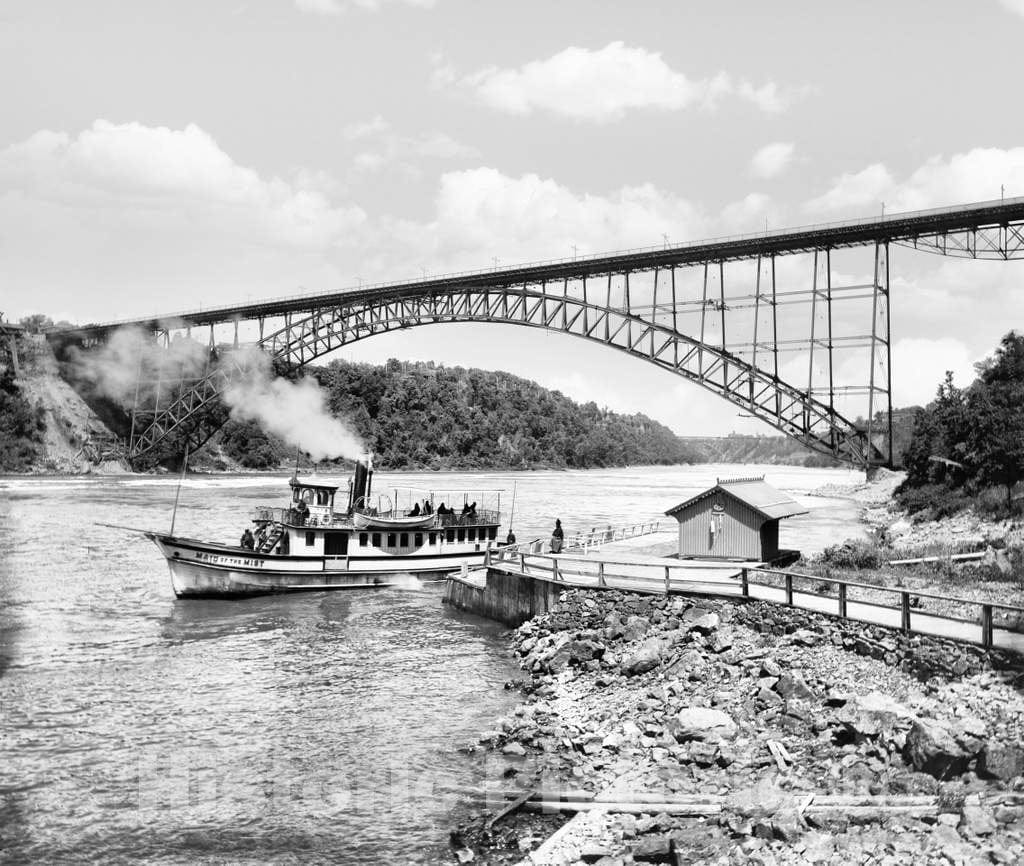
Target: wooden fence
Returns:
[[992, 625]]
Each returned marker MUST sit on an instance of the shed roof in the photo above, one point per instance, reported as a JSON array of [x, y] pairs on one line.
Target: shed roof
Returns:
[[756, 493]]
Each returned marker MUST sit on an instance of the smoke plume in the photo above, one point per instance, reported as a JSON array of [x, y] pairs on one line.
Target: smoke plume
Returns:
[[130, 354], [295, 411]]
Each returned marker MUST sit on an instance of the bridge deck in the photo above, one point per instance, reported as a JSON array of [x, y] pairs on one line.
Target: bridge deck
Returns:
[[903, 227]]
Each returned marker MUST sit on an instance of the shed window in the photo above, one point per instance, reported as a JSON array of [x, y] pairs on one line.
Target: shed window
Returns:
[[492, 533], [392, 539], [462, 534], [310, 539], [376, 539], [432, 538], [419, 539], [472, 533], [450, 536], [405, 540], [363, 539]]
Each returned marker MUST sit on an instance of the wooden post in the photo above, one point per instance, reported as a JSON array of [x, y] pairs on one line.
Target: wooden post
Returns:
[[522, 562], [789, 589], [600, 574], [487, 556], [554, 570], [905, 611], [745, 583], [668, 580], [842, 600], [986, 626]]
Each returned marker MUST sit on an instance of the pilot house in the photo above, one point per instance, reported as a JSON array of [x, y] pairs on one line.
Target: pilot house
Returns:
[[736, 519]]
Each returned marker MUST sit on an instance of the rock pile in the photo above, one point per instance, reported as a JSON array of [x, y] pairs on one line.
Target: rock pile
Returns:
[[658, 695]]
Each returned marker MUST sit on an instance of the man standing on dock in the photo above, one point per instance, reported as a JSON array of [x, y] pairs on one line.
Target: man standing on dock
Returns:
[[557, 537]]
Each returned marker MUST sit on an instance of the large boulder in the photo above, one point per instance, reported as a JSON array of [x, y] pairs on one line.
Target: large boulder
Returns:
[[791, 686], [702, 723], [1001, 761], [645, 658], [931, 748], [635, 628], [872, 715]]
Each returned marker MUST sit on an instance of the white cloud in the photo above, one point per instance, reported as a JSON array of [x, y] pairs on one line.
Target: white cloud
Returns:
[[866, 187], [529, 217], [1015, 6], [384, 147], [603, 84], [125, 170], [976, 175], [337, 7], [772, 159]]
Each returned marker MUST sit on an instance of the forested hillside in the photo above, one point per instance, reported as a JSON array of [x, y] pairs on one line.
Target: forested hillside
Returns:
[[426, 416]]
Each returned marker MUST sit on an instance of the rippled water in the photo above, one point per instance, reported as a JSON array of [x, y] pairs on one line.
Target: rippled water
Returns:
[[310, 728]]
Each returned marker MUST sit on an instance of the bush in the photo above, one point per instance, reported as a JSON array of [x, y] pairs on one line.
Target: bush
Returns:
[[852, 554], [932, 501]]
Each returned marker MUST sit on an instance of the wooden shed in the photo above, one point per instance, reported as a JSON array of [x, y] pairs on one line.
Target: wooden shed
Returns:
[[736, 519]]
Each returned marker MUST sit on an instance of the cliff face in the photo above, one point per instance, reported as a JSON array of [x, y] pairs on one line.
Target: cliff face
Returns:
[[74, 439]]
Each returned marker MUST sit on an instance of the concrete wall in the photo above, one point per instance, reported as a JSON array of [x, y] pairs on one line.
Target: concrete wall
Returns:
[[507, 598]]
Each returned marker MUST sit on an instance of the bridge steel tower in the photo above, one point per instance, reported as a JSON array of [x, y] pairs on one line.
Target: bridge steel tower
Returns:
[[767, 321]]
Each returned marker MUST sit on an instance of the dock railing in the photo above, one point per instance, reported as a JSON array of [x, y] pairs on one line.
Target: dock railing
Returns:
[[591, 539], [978, 621]]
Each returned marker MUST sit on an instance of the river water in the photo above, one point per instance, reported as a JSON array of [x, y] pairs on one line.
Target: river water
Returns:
[[301, 729]]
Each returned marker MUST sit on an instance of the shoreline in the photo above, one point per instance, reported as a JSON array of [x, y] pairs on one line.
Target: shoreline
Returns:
[[672, 697], [618, 701]]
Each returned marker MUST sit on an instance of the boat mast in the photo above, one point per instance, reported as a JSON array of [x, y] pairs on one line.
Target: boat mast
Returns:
[[177, 493]]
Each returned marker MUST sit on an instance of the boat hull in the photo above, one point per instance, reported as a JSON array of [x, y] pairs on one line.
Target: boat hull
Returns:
[[200, 570]]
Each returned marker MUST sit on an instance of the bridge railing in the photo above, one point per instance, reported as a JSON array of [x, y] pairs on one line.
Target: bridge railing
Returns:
[[978, 621], [591, 257]]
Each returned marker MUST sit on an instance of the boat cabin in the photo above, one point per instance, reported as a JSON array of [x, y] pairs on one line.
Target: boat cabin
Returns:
[[317, 500]]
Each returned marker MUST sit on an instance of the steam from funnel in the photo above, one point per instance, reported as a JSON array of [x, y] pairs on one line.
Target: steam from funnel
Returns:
[[295, 411]]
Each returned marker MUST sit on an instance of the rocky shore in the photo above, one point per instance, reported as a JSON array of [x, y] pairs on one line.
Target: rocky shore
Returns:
[[801, 738]]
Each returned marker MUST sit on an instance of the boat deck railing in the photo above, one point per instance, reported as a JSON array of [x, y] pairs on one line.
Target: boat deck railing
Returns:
[[272, 514]]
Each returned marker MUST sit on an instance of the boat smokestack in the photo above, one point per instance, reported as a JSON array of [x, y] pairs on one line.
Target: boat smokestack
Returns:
[[361, 481]]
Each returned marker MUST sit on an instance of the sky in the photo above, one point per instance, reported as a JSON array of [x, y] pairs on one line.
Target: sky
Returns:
[[159, 156]]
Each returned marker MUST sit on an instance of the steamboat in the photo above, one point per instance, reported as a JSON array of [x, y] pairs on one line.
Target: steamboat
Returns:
[[309, 546]]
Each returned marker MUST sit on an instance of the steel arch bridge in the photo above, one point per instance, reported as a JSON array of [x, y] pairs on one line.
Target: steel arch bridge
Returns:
[[716, 313]]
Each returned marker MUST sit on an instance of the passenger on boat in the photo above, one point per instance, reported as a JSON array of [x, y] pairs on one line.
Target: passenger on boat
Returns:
[[415, 510], [510, 538], [442, 510], [472, 509], [557, 537], [301, 512], [248, 540], [427, 507]]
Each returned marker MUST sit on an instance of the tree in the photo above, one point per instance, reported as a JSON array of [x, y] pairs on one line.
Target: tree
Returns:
[[995, 405]]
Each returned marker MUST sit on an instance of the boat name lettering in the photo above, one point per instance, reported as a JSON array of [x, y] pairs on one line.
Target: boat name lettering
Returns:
[[215, 559]]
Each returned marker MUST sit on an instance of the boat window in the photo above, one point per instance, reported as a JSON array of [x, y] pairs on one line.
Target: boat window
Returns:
[[462, 534], [432, 538], [321, 497], [419, 539], [376, 539], [391, 539], [405, 540], [472, 533], [307, 494], [310, 539], [492, 533], [363, 537], [450, 536], [295, 494]]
